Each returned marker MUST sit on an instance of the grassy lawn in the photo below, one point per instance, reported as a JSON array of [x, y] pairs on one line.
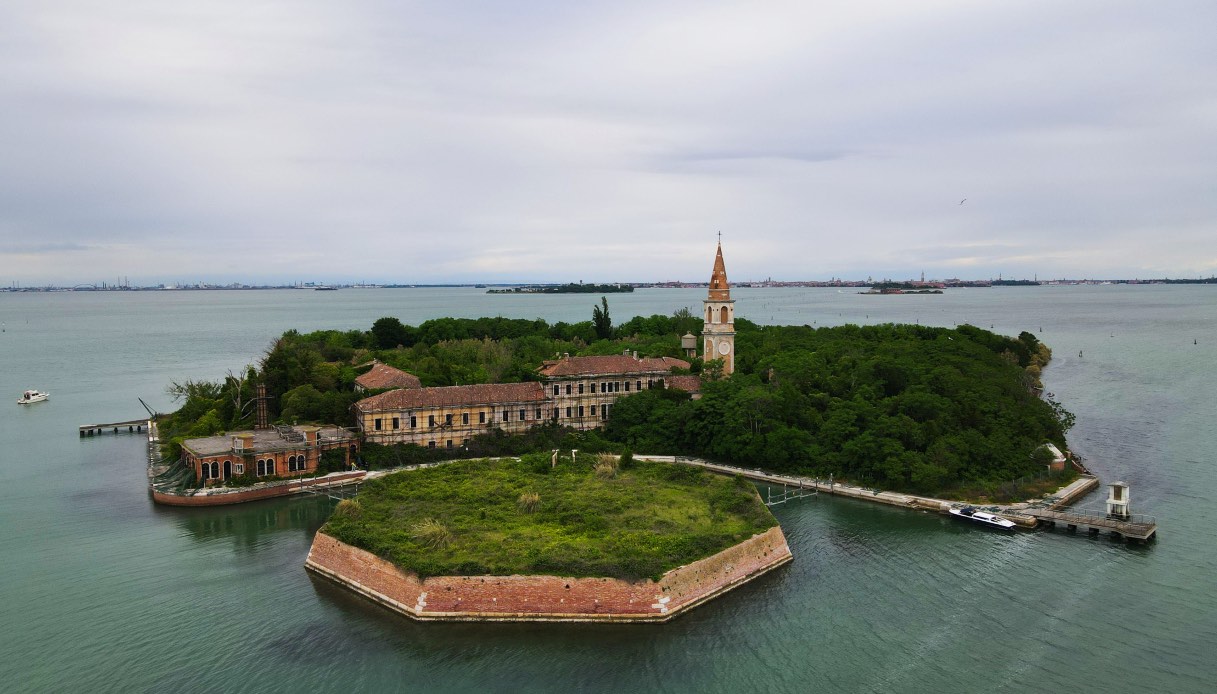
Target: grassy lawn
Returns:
[[591, 517]]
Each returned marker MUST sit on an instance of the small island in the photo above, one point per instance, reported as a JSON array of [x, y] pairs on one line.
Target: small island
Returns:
[[571, 288], [544, 537]]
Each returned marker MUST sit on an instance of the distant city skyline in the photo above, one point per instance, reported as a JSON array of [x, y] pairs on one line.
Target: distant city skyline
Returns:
[[546, 142]]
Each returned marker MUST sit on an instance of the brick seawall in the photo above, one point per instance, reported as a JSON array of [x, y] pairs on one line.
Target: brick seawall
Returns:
[[546, 598]]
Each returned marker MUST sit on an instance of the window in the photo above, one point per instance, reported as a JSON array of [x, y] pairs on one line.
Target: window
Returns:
[[464, 418], [206, 471], [430, 444], [506, 415], [215, 470], [650, 383], [291, 463], [593, 410], [639, 386], [240, 468], [555, 389], [396, 423], [448, 444], [581, 410], [447, 420], [603, 412], [270, 466], [538, 417], [617, 387], [481, 417], [430, 420], [568, 389], [413, 421], [568, 413], [580, 389], [627, 386], [593, 386], [555, 413], [261, 467], [522, 415], [376, 424], [724, 315]]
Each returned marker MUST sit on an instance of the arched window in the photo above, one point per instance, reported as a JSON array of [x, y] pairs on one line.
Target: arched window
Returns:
[[709, 315], [215, 470], [270, 466], [291, 463], [724, 314], [206, 471], [261, 467]]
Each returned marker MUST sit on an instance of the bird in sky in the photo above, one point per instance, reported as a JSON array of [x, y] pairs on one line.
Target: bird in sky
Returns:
[[963, 201]]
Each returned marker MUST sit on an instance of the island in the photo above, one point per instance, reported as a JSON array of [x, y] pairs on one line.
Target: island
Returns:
[[549, 537], [571, 288]]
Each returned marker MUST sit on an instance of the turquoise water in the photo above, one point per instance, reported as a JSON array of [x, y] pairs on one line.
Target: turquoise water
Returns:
[[103, 591]]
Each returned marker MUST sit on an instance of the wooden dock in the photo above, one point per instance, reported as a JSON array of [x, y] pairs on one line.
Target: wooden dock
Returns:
[[1138, 528], [128, 427]]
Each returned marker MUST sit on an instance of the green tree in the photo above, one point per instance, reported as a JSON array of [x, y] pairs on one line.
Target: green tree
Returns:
[[601, 321]]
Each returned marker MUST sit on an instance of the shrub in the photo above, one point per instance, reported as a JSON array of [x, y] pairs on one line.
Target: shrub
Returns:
[[529, 502], [431, 533], [348, 508]]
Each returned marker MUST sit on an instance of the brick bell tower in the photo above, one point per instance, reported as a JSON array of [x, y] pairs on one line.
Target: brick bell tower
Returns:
[[718, 333]]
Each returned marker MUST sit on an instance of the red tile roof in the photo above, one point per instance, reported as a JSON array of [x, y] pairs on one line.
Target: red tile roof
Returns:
[[385, 376], [454, 396], [690, 384], [610, 365]]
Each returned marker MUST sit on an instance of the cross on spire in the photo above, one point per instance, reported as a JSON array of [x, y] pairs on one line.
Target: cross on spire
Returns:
[[720, 237]]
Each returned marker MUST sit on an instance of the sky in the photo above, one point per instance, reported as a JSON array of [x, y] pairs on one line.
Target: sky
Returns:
[[427, 142]]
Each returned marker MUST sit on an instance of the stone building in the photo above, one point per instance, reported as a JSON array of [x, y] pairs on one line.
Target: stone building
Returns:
[[578, 392], [282, 451], [582, 390], [446, 417]]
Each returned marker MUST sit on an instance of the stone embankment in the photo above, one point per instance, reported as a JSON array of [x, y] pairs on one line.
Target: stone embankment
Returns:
[[546, 598]]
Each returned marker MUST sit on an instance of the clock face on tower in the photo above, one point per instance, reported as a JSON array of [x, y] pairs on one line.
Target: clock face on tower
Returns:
[[724, 348]]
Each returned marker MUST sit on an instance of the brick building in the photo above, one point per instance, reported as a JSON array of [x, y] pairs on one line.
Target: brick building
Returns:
[[283, 451], [578, 392]]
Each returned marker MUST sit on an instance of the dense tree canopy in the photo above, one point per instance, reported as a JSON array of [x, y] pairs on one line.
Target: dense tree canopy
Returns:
[[897, 406]]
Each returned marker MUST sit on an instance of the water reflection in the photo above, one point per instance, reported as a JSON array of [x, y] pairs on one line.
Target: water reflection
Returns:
[[250, 525]]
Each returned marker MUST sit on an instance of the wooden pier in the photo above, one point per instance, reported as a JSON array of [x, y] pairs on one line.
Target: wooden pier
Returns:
[[129, 427], [1138, 528]]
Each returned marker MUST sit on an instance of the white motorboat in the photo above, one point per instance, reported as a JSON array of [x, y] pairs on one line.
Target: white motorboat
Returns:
[[31, 396], [971, 514]]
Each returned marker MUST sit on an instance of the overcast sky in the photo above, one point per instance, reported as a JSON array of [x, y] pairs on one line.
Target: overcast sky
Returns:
[[422, 142]]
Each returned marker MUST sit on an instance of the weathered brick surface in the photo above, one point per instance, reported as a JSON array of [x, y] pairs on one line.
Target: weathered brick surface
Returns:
[[546, 597]]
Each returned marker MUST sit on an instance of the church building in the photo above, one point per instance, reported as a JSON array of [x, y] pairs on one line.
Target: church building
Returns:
[[576, 391]]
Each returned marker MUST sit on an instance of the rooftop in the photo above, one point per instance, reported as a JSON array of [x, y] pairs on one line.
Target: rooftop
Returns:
[[385, 376], [454, 396], [610, 365], [266, 440]]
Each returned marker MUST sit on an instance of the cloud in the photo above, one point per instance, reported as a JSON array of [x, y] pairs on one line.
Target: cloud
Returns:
[[535, 141]]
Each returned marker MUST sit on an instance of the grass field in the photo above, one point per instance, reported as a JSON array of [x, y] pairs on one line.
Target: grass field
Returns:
[[596, 516]]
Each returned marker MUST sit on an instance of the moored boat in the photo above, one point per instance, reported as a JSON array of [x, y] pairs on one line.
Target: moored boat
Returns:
[[31, 396], [989, 519]]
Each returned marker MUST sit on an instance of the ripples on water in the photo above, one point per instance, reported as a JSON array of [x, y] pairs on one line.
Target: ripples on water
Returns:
[[106, 592]]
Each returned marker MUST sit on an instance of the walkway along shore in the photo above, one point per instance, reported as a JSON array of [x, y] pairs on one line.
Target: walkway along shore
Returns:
[[1014, 512]]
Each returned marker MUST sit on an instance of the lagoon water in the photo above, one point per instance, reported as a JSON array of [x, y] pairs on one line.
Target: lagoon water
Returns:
[[103, 591]]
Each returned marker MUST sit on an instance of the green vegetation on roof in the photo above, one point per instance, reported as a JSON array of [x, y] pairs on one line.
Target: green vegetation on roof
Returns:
[[593, 517]]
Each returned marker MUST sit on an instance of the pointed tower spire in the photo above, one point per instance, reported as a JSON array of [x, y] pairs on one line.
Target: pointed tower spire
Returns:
[[719, 289], [718, 332]]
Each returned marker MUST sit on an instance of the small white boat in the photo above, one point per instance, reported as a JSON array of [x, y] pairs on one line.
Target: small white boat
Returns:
[[30, 396], [971, 514]]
